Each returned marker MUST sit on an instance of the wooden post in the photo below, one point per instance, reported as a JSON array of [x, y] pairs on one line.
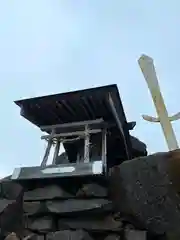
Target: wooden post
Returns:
[[147, 67], [86, 144], [104, 149], [47, 152], [56, 151]]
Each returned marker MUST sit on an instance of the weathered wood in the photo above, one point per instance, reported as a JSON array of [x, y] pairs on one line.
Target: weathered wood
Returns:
[[79, 206], [56, 151], [73, 125], [120, 126], [47, 152], [69, 134], [86, 144]]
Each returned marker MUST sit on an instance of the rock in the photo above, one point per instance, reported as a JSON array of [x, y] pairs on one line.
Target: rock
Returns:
[[12, 236], [9, 189], [148, 189], [92, 190], [11, 216], [4, 203], [129, 227], [91, 224], [138, 147], [67, 234], [34, 237], [135, 235], [39, 237], [79, 205], [172, 236], [41, 224], [46, 193], [26, 234], [113, 237], [29, 235], [62, 159], [32, 208]]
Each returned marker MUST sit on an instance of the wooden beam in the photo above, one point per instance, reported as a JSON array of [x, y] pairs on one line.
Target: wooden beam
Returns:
[[118, 122], [73, 124], [78, 133]]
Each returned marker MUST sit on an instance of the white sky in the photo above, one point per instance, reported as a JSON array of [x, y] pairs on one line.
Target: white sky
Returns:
[[60, 45]]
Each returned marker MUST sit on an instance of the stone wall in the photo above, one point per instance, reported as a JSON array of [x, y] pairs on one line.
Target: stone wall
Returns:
[[51, 212]]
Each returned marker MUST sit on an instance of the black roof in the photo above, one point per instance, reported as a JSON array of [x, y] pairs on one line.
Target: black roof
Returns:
[[82, 105], [88, 104]]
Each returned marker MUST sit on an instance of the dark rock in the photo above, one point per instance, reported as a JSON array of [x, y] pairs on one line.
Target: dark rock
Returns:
[[46, 193], [129, 227], [33, 236], [131, 125], [4, 203], [172, 236], [148, 189], [113, 237], [32, 208], [105, 224], [40, 237], [62, 159], [26, 233], [12, 236], [67, 235], [9, 189], [139, 148], [30, 235], [37, 237], [92, 190], [79, 205], [43, 224], [135, 235], [11, 216]]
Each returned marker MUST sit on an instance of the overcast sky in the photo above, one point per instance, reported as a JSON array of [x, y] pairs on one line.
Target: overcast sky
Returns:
[[51, 46]]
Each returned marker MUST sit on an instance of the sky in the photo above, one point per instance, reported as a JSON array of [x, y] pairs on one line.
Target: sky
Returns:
[[52, 46]]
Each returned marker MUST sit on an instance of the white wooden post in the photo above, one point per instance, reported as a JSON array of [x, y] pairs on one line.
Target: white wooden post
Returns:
[[147, 67]]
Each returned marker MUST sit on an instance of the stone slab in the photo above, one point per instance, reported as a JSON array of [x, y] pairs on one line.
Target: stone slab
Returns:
[[92, 190], [42, 224], [34, 208], [135, 235], [67, 234], [79, 206], [46, 193], [148, 189], [91, 224]]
